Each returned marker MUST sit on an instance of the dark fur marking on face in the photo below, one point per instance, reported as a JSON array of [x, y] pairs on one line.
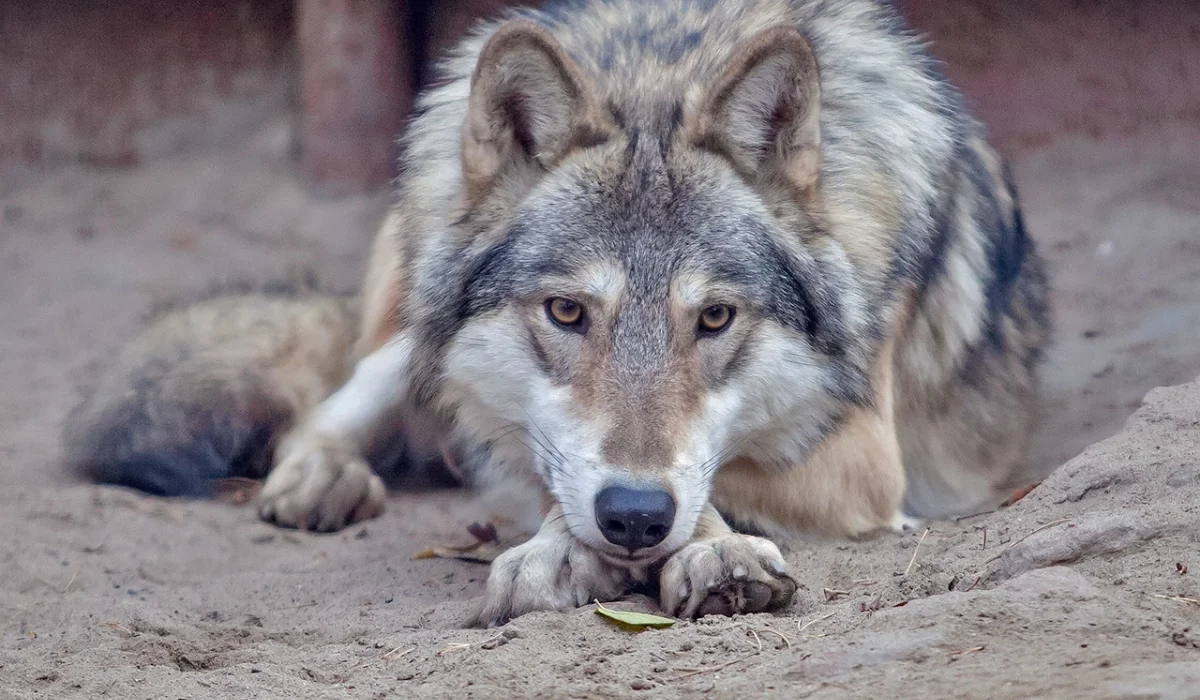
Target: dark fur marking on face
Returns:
[[500, 271], [673, 124], [796, 296], [539, 353], [618, 115], [635, 136], [737, 361]]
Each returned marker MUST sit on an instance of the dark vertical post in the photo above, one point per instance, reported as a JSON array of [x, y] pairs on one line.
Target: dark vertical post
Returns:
[[355, 88]]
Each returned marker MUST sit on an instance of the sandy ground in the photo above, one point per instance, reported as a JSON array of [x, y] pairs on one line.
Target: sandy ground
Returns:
[[1079, 590]]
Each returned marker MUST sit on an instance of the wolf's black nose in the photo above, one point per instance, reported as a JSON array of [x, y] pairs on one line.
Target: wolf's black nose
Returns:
[[634, 518]]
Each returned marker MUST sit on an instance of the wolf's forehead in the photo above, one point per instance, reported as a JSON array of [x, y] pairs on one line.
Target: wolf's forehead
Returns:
[[611, 280], [615, 242], [649, 268]]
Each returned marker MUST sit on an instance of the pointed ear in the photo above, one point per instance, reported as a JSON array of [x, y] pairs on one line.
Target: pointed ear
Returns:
[[529, 106], [763, 112]]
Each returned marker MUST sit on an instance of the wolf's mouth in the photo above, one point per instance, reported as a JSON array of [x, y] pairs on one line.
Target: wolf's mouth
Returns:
[[639, 560]]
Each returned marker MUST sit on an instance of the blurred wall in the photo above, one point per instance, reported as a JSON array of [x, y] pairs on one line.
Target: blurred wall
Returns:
[[115, 83]]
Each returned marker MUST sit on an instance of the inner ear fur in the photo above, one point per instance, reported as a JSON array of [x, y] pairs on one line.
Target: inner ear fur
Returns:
[[529, 106], [763, 111]]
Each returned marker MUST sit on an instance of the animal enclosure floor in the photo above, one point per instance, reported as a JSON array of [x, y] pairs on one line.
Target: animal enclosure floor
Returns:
[[1079, 590]]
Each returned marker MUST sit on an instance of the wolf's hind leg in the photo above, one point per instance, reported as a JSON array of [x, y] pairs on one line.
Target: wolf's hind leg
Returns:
[[321, 480], [724, 573]]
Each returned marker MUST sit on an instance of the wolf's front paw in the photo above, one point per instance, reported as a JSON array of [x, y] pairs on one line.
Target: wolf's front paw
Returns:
[[552, 571], [322, 484], [725, 575]]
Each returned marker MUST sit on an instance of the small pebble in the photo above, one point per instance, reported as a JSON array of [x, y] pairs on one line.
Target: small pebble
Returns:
[[405, 676], [641, 685]]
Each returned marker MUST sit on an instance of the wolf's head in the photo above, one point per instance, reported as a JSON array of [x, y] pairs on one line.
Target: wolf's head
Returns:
[[654, 297]]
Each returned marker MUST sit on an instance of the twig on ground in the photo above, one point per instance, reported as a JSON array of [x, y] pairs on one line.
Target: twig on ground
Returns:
[[833, 593], [964, 652], [1018, 541], [459, 646], [384, 657], [711, 669], [961, 518], [119, 628], [786, 640], [917, 549], [757, 639], [810, 623], [1177, 598]]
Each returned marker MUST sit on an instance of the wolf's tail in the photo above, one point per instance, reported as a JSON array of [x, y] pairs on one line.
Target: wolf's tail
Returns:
[[207, 390]]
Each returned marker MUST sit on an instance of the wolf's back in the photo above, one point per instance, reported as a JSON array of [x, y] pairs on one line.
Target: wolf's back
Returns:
[[205, 391]]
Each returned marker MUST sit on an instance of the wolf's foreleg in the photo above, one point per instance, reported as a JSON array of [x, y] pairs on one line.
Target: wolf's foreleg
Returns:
[[552, 571], [321, 480], [724, 573]]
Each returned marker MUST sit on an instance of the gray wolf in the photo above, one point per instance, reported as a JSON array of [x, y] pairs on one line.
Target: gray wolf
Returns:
[[658, 270]]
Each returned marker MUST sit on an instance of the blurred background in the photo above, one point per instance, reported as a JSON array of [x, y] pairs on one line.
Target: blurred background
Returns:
[[118, 84]]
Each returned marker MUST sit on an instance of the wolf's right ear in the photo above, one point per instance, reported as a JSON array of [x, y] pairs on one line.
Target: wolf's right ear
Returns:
[[530, 105]]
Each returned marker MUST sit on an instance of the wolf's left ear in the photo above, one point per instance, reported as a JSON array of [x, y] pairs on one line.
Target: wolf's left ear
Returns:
[[530, 105], [763, 112]]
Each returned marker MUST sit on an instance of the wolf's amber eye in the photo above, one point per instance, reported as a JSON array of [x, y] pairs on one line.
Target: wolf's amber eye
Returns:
[[715, 318], [565, 312]]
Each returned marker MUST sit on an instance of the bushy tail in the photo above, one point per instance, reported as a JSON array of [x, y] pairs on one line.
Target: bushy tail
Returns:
[[206, 391]]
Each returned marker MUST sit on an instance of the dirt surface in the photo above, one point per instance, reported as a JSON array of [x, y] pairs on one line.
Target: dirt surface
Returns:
[[1081, 589]]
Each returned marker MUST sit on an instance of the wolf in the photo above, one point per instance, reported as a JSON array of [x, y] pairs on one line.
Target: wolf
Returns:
[[680, 277]]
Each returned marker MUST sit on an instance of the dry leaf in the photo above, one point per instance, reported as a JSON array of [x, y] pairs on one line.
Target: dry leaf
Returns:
[[237, 490], [633, 620], [482, 552], [1019, 494], [486, 547]]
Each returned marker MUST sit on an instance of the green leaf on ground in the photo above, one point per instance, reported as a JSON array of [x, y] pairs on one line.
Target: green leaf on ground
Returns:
[[632, 620]]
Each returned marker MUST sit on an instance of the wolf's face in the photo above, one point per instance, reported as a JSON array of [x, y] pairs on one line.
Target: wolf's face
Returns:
[[648, 311]]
